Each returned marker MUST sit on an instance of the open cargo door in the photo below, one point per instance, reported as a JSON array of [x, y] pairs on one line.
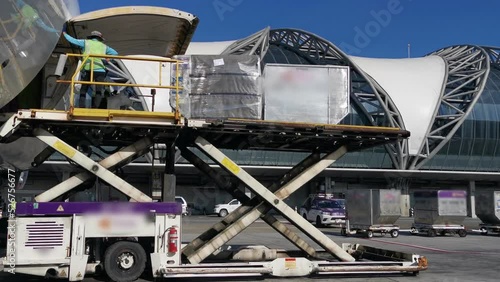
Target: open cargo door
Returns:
[[132, 30]]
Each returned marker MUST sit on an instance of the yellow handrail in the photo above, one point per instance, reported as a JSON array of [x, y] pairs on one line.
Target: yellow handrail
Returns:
[[160, 61]]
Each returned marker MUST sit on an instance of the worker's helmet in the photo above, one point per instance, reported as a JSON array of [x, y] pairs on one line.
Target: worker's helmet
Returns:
[[97, 34]]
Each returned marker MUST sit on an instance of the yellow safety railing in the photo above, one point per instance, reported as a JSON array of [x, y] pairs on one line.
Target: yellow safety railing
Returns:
[[160, 61]]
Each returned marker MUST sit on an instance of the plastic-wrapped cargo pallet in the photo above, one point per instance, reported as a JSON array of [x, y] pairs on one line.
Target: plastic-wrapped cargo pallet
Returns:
[[440, 207], [488, 206], [373, 206], [222, 86], [306, 93]]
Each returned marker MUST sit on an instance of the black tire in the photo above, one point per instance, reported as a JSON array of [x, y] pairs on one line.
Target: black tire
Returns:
[[462, 232], [318, 222], [484, 231], [394, 233], [304, 216], [431, 233], [413, 231], [123, 269], [223, 213], [369, 234]]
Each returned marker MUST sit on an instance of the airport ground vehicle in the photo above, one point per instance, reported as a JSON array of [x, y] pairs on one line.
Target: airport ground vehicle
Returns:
[[488, 210], [223, 210], [323, 209], [440, 212], [124, 239], [372, 211], [183, 203]]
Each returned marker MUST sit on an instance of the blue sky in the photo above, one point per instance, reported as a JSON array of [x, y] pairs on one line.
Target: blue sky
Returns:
[[370, 28]]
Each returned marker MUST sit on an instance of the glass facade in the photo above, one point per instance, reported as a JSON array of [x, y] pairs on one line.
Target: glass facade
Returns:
[[476, 144]]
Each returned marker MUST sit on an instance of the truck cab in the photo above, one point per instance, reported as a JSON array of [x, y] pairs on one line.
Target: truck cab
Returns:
[[324, 209]]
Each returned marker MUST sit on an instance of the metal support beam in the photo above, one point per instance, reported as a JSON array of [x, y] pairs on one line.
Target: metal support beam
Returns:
[[90, 165], [232, 188], [169, 179], [9, 126], [273, 200], [119, 158]]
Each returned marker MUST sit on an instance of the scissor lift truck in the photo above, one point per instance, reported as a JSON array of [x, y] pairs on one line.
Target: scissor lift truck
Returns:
[[70, 240], [136, 133]]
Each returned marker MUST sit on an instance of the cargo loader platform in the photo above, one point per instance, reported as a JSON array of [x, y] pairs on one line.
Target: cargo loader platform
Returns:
[[326, 143], [135, 134]]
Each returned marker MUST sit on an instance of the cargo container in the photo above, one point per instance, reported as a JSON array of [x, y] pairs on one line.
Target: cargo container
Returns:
[[372, 211], [488, 210], [440, 212]]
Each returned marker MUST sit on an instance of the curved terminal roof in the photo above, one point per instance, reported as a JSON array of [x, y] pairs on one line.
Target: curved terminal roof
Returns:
[[414, 85]]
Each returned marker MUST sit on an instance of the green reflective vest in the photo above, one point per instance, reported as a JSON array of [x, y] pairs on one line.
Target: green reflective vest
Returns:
[[29, 15], [94, 47]]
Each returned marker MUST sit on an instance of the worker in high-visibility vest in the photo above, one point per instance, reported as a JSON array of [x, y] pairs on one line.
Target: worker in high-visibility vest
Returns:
[[93, 45], [28, 16]]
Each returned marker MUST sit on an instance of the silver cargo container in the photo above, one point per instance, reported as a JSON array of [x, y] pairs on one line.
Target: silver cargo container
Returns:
[[488, 206], [440, 207], [218, 86], [373, 206]]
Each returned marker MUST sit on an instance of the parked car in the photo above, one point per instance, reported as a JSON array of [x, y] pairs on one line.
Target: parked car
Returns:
[[184, 204], [224, 209], [323, 209]]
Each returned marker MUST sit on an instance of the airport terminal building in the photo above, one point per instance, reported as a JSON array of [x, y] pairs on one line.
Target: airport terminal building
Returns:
[[449, 100]]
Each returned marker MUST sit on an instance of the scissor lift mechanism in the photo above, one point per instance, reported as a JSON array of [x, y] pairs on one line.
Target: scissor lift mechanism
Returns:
[[136, 132]]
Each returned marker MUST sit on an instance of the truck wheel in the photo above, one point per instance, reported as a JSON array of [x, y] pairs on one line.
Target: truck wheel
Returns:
[[484, 231], [394, 233], [124, 261], [223, 213], [413, 231], [431, 233], [462, 233], [369, 234], [318, 222]]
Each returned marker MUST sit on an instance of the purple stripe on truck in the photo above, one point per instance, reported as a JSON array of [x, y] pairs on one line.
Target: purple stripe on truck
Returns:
[[452, 194], [69, 208]]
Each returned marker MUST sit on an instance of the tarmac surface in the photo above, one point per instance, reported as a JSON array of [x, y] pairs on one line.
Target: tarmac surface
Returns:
[[451, 258]]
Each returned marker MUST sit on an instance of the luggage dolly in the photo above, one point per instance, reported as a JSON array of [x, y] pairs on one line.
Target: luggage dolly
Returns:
[[369, 230], [442, 229], [486, 228]]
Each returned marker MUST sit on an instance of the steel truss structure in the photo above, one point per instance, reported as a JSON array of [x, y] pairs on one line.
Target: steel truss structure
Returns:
[[467, 71], [368, 98], [466, 75]]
